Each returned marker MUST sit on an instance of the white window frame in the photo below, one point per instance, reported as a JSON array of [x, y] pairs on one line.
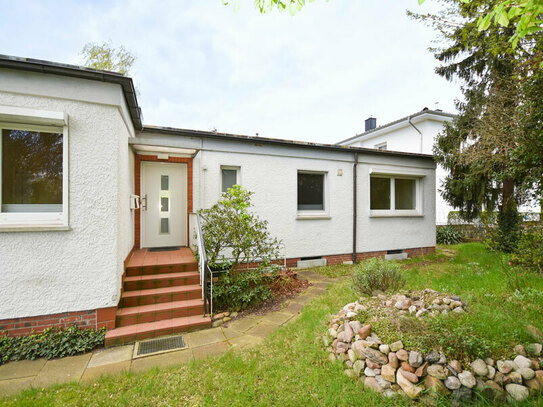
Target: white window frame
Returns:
[[311, 213], [229, 167], [13, 118], [381, 146], [393, 212]]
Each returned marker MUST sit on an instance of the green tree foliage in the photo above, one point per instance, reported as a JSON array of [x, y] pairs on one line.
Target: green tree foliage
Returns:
[[484, 148], [108, 58], [266, 6]]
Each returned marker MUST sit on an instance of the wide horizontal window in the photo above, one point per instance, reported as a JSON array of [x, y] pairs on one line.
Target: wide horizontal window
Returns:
[[32, 171], [310, 191], [394, 193]]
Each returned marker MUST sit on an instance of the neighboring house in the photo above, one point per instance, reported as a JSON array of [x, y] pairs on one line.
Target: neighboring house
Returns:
[[415, 134], [87, 190]]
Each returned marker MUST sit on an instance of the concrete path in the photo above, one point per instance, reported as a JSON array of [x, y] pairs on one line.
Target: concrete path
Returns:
[[237, 334]]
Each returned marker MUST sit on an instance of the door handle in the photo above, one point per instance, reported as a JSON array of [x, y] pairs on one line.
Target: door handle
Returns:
[[144, 202]]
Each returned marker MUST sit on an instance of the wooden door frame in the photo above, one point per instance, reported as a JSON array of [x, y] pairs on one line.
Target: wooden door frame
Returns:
[[138, 159]]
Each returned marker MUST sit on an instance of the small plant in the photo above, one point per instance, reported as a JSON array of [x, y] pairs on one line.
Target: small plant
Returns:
[[52, 343], [377, 274], [236, 291], [448, 235]]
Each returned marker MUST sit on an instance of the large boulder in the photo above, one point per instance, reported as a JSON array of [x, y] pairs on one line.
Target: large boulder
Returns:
[[479, 367], [517, 392], [437, 371], [411, 390], [467, 379], [522, 361], [376, 356]]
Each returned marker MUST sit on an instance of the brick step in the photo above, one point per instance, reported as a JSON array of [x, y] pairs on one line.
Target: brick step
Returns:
[[131, 333], [182, 267], [158, 312], [161, 280], [160, 295]]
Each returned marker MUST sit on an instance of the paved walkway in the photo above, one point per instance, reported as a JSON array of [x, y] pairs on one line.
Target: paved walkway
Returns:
[[241, 333]]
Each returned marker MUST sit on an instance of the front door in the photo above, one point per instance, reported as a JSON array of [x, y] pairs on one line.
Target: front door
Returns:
[[164, 204]]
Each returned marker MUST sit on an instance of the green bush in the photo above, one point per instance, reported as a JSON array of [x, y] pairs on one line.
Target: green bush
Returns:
[[377, 274], [448, 235], [529, 251], [235, 291], [52, 343]]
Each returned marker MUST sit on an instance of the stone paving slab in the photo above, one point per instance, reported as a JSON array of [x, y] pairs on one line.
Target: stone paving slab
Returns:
[[69, 369], [94, 373], [238, 334], [111, 355], [22, 368], [163, 360]]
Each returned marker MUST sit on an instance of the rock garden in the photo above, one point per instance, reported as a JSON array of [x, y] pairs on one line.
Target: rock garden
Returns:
[[395, 368]]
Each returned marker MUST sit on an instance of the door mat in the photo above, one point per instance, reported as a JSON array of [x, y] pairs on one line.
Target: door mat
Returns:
[[164, 249]]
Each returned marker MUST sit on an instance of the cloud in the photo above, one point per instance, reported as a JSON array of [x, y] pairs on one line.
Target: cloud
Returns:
[[315, 76]]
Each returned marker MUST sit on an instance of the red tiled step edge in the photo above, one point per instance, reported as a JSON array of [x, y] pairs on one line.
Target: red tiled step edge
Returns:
[[141, 282], [159, 295], [161, 268], [132, 333], [157, 312]]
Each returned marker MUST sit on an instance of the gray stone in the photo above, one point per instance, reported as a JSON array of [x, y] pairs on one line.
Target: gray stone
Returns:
[[396, 346], [358, 367], [384, 349], [389, 393], [494, 391], [412, 377], [415, 359], [452, 383], [369, 372], [519, 349], [421, 312], [348, 333], [491, 372], [437, 371], [349, 372], [467, 379], [463, 394], [522, 361], [490, 362], [372, 384], [534, 349], [351, 355], [376, 356], [382, 382], [402, 355], [358, 348], [409, 388], [342, 347], [504, 366], [432, 357], [393, 360], [455, 367], [517, 392], [479, 367], [515, 377], [526, 373], [355, 325], [435, 385]]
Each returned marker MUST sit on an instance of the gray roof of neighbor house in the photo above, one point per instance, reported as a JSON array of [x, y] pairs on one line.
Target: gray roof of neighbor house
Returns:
[[406, 118], [74, 71], [275, 141]]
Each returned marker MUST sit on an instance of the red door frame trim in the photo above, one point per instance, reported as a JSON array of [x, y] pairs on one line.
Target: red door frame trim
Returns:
[[137, 187]]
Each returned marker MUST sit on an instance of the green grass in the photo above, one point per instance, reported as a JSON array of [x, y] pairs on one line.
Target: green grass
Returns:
[[291, 368]]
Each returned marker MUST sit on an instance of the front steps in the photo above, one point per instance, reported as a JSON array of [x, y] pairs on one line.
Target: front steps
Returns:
[[162, 295]]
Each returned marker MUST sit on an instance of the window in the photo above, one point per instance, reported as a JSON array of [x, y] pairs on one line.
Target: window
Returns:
[[229, 177], [310, 191], [381, 146], [33, 179], [394, 194]]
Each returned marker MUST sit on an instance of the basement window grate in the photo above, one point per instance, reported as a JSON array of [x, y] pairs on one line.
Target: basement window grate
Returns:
[[160, 345]]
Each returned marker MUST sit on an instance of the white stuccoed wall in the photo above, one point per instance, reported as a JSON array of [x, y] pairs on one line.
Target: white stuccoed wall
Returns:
[[50, 272], [271, 173], [403, 137]]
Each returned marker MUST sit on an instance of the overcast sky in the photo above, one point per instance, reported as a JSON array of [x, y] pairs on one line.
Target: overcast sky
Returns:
[[200, 64]]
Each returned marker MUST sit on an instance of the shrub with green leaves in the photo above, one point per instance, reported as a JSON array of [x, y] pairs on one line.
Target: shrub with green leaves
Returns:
[[529, 251], [377, 274], [448, 235], [236, 291], [52, 343]]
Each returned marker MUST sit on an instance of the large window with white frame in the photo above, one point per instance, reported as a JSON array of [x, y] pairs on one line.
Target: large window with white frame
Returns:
[[395, 195], [311, 188], [33, 168]]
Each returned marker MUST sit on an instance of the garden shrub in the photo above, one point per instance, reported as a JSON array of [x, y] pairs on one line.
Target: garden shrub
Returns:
[[234, 237], [529, 251], [448, 235], [52, 343], [377, 274]]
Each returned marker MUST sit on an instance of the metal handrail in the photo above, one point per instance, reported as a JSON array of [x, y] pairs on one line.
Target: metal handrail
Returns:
[[203, 267]]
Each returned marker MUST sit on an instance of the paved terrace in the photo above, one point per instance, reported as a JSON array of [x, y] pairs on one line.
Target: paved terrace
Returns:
[[237, 334]]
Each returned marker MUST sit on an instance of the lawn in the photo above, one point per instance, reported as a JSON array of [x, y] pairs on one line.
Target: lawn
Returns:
[[292, 368]]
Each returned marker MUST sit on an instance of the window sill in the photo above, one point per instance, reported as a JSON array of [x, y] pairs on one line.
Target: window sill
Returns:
[[395, 214], [311, 216], [5, 228]]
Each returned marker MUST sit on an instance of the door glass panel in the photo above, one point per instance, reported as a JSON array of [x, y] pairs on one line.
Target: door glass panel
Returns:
[[31, 171], [379, 193], [164, 182], [405, 193], [164, 204], [164, 225]]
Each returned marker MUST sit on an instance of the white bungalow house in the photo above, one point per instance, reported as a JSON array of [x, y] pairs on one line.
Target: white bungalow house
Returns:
[[415, 133], [88, 193]]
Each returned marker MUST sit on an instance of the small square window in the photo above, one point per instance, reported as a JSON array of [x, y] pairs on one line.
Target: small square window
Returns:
[[229, 178], [380, 193], [310, 191]]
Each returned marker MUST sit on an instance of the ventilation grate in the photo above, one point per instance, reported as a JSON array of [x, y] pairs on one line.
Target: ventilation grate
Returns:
[[160, 345]]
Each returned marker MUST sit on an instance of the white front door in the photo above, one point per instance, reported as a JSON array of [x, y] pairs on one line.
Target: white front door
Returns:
[[164, 204]]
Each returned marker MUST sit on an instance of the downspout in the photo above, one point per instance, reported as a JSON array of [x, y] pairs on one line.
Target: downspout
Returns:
[[415, 127], [354, 204]]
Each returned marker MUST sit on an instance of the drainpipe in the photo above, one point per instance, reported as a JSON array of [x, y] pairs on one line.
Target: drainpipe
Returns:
[[415, 127], [354, 204]]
